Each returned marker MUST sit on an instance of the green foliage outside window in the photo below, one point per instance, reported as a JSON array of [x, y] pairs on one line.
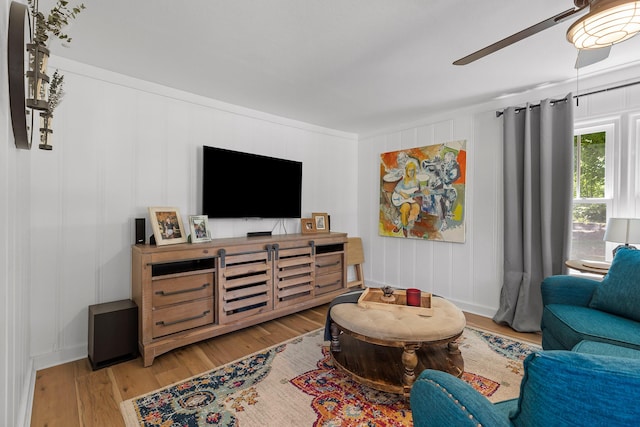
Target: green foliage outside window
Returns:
[[592, 165], [590, 152], [595, 213]]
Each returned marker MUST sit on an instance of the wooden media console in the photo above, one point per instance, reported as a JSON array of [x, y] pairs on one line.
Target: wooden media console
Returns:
[[191, 292]]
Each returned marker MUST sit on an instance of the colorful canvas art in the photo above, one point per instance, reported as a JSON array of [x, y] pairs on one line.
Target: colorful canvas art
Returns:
[[422, 192]]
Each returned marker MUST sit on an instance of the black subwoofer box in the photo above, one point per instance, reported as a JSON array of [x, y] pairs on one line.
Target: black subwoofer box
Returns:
[[113, 333]]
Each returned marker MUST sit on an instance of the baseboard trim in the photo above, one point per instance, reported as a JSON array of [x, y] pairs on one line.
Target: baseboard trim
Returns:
[[23, 416], [56, 358]]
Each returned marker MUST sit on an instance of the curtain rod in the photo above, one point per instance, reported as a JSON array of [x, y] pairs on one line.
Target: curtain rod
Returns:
[[499, 113]]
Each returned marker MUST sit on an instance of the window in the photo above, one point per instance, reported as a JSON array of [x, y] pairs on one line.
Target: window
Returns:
[[592, 190]]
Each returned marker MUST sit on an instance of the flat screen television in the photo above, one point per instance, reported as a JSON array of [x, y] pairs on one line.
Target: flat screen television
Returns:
[[244, 185]]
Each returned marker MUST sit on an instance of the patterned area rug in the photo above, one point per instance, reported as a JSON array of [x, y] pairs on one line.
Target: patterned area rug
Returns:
[[295, 384]]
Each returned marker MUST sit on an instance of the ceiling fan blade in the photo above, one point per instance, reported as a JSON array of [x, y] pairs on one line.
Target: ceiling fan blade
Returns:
[[588, 57], [527, 32]]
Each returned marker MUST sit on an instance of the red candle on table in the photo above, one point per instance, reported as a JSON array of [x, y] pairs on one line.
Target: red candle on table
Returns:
[[413, 297]]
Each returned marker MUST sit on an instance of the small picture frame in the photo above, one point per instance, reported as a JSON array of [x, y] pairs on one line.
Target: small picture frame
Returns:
[[321, 222], [199, 226], [167, 225], [307, 225]]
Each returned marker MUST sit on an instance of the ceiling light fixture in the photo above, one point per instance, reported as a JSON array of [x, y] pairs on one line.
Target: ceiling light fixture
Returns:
[[608, 22]]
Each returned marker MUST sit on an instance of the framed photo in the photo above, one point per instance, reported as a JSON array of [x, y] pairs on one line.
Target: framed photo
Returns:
[[307, 225], [167, 226], [321, 222], [199, 226]]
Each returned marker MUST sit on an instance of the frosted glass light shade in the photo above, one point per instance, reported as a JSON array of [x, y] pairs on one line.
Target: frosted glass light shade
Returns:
[[608, 22], [623, 230]]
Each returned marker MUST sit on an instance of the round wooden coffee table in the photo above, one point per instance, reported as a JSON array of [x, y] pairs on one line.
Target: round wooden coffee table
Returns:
[[386, 350]]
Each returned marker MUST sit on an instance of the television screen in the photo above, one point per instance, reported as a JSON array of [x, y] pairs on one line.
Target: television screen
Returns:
[[244, 185]]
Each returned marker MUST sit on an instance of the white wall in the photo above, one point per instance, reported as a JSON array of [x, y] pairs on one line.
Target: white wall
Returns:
[[470, 274], [121, 145], [15, 361]]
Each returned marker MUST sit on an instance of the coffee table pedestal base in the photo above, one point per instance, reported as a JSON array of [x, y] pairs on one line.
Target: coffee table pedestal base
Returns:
[[393, 369]]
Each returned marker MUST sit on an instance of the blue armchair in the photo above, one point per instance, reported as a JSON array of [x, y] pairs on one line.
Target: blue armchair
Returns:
[[559, 388], [579, 309]]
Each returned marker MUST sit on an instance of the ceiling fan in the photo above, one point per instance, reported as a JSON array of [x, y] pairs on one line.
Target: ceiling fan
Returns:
[[608, 22]]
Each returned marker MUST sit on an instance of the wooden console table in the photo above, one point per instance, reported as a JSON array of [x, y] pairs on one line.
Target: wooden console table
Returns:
[[191, 292]]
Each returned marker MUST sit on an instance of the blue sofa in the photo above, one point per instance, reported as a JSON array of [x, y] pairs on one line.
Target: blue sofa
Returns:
[[559, 388], [579, 309]]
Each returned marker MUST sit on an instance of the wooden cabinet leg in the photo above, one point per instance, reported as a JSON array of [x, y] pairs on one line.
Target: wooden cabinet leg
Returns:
[[147, 359]]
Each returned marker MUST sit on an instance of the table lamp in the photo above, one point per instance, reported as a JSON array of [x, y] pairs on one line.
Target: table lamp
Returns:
[[623, 230]]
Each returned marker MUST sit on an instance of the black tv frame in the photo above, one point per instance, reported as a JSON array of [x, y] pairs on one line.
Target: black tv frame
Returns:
[[237, 184]]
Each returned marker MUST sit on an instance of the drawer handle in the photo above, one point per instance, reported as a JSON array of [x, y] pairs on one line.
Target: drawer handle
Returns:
[[182, 291], [163, 323], [329, 284], [328, 265]]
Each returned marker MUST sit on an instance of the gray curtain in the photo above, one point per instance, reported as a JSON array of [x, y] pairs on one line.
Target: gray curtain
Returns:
[[538, 193]]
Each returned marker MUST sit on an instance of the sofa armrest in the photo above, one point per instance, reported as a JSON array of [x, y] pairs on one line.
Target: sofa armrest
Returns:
[[440, 399], [568, 290]]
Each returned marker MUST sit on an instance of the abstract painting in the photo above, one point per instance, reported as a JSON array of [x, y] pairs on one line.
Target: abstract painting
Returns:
[[422, 192]]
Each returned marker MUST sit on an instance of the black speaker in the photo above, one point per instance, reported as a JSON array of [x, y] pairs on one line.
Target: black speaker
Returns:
[[140, 239], [113, 333]]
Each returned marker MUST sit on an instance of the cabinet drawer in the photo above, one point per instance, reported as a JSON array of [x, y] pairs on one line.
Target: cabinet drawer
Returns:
[[173, 256], [328, 282], [180, 289], [328, 263], [180, 317]]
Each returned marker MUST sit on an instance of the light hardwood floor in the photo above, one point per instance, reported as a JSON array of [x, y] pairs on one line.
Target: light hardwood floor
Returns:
[[73, 394]]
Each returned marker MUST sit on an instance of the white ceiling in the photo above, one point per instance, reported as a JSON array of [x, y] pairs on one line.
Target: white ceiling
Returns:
[[351, 65]]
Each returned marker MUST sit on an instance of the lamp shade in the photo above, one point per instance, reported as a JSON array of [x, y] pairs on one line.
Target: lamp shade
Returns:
[[623, 230], [608, 22]]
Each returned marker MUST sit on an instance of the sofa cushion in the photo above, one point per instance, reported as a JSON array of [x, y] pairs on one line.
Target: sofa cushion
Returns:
[[563, 388], [605, 349], [619, 291], [567, 325]]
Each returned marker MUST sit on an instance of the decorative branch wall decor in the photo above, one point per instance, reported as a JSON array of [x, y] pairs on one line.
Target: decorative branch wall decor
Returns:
[[43, 93], [55, 97]]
